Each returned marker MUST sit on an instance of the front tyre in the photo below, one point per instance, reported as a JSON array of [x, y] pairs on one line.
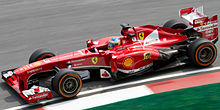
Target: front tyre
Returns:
[[40, 54], [202, 52], [67, 83]]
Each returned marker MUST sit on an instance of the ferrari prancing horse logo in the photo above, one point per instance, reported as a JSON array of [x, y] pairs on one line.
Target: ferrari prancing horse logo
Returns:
[[141, 35], [94, 60]]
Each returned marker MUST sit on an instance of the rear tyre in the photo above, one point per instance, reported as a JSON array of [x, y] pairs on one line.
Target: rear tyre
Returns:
[[40, 54], [202, 52], [174, 24], [67, 83]]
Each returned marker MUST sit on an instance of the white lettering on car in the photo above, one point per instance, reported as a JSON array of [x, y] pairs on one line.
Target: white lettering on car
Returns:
[[34, 70]]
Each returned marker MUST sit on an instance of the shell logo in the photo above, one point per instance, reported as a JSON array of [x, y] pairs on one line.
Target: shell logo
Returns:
[[128, 62], [201, 23]]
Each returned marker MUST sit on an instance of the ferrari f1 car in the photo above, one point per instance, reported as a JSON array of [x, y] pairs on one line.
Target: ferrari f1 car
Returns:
[[137, 51]]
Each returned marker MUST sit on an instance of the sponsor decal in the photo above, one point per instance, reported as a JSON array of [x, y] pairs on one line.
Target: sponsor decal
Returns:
[[147, 56], [25, 68], [104, 73], [141, 35], [61, 57], [46, 61], [206, 27], [35, 89], [201, 23], [128, 62], [198, 21], [120, 48], [38, 96], [94, 60], [77, 64], [74, 61], [34, 70], [136, 70], [37, 63], [28, 66], [21, 69]]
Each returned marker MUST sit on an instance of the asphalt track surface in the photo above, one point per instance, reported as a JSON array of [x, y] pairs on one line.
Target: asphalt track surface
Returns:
[[64, 26]]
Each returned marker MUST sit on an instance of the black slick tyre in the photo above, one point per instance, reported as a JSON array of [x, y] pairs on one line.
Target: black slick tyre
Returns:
[[202, 52], [67, 83], [174, 24], [40, 54]]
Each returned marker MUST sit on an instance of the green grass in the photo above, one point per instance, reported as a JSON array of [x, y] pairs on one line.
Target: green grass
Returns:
[[206, 97]]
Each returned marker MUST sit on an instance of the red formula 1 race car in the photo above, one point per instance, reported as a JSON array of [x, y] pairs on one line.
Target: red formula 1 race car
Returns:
[[138, 50]]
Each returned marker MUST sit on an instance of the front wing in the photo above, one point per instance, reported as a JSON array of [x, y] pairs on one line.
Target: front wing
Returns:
[[31, 95]]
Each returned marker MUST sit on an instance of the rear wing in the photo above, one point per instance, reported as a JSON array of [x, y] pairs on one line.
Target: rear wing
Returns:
[[196, 18]]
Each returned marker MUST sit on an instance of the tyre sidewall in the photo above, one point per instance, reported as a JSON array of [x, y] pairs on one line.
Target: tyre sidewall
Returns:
[[195, 48], [59, 79], [40, 54], [174, 24]]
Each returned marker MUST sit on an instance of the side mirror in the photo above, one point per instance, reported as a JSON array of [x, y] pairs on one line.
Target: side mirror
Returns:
[[131, 35]]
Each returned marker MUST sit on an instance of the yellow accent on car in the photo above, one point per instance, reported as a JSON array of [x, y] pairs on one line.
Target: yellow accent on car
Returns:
[[128, 62], [94, 60], [37, 63], [141, 35]]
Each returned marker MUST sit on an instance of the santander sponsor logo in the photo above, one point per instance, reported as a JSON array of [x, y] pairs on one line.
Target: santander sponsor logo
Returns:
[[38, 96]]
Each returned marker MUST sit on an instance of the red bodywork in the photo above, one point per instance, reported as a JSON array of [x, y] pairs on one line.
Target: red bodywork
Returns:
[[127, 57], [134, 54]]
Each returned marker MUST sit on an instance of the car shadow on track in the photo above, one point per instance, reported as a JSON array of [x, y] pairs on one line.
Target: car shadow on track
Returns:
[[13, 97], [94, 84], [176, 70], [99, 83]]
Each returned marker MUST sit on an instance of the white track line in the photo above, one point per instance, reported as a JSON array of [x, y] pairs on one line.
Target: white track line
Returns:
[[127, 84], [101, 99]]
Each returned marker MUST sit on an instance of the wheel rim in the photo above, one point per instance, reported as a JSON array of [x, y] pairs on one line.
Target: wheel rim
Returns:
[[206, 54], [70, 85]]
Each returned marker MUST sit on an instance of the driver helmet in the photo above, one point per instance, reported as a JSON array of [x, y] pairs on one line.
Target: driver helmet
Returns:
[[113, 42]]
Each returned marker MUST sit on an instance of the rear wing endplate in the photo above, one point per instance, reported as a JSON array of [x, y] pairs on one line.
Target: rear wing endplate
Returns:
[[196, 18]]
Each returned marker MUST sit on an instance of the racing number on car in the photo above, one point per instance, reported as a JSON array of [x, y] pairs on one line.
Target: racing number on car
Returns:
[[141, 35], [94, 60]]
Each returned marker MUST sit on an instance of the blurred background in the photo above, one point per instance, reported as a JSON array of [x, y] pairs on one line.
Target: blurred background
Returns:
[[65, 25]]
